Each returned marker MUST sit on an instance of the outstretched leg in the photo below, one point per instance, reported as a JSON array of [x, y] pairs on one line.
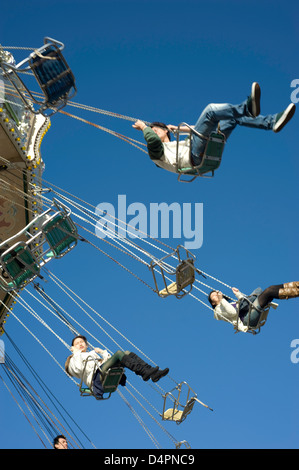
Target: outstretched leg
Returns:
[[280, 291], [288, 290], [135, 364], [214, 113], [228, 116]]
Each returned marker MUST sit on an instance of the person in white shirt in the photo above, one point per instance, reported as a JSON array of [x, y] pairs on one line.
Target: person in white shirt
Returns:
[[81, 364], [225, 308]]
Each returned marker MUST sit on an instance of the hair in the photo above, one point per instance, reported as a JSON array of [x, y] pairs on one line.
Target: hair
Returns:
[[163, 126], [209, 297], [56, 439], [79, 336]]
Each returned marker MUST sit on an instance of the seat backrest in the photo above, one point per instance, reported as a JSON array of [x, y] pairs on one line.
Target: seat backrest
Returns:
[[211, 158], [52, 72], [20, 265], [213, 153], [111, 379], [185, 274], [60, 233]]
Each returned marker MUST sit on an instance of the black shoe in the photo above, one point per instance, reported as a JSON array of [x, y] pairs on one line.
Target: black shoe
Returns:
[[283, 118], [253, 103], [149, 373], [159, 374]]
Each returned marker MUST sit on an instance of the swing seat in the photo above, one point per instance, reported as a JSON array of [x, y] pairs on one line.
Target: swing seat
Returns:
[[20, 266], [61, 235], [111, 379], [213, 154], [185, 276], [173, 414], [262, 319], [179, 411], [52, 74], [211, 158], [110, 382]]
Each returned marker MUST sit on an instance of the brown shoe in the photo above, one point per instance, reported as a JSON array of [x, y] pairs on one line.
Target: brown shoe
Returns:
[[289, 290]]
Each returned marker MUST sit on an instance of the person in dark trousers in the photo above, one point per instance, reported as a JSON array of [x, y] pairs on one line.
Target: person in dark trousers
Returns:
[[81, 364]]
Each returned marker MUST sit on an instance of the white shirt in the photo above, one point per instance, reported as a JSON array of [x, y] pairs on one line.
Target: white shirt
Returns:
[[169, 159], [227, 312], [82, 368]]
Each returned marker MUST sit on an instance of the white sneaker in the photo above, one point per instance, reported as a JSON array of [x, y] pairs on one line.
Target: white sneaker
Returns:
[[253, 103], [283, 118]]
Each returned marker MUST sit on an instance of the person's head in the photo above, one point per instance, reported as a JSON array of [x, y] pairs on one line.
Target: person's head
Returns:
[[60, 442], [161, 130], [215, 297], [80, 342]]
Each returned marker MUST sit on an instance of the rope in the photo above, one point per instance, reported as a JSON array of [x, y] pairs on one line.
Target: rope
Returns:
[[39, 318], [19, 406], [109, 131], [52, 398], [18, 47]]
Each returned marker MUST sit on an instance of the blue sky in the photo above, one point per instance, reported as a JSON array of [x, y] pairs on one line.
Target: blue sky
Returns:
[[166, 61]]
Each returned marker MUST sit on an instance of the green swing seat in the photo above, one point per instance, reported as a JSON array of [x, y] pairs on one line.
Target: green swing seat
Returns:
[[19, 265], [211, 158], [110, 382], [52, 74], [61, 235]]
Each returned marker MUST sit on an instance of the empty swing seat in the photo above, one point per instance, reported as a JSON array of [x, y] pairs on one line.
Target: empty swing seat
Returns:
[[185, 276], [181, 406], [174, 414], [52, 73], [19, 265], [61, 235]]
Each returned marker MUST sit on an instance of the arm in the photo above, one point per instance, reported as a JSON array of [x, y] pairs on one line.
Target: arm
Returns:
[[77, 361], [154, 143], [237, 293], [103, 353], [185, 129], [226, 307], [225, 311]]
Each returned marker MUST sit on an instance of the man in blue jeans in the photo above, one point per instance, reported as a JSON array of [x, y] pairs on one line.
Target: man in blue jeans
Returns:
[[163, 152]]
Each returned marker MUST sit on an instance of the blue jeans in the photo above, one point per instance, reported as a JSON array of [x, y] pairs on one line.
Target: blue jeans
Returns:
[[256, 310], [228, 116]]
